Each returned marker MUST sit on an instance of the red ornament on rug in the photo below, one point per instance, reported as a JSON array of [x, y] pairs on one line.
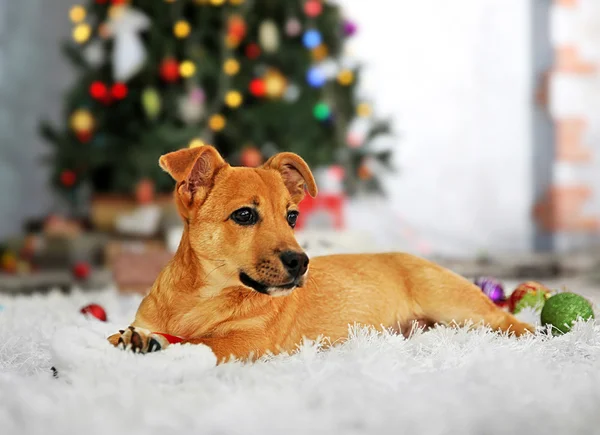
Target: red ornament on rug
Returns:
[[95, 310], [81, 270], [68, 178], [169, 70], [119, 91]]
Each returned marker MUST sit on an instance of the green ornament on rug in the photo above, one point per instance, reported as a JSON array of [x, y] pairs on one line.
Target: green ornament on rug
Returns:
[[563, 310]]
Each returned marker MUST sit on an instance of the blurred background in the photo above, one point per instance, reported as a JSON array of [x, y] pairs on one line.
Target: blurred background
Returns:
[[464, 131]]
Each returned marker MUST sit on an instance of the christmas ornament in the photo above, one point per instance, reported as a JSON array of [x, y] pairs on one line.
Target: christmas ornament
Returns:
[[68, 178], [144, 191], [169, 70], [231, 67], [329, 68], [81, 270], [94, 310], [492, 288], [252, 51], [94, 54], [364, 110], [313, 8], [119, 91], [319, 53], [251, 157], [151, 103], [236, 28], [187, 68], [528, 294], [257, 88], [293, 27], [77, 14], [191, 108], [81, 121], [217, 2], [364, 172], [315, 77], [197, 95], [8, 261], [129, 54], [357, 132], [321, 111], [345, 77], [349, 28], [275, 83], [268, 36], [182, 29], [312, 38], [195, 143], [562, 310], [292, 93], [98, 90], [84, 136], [216, 122], [82, 32], [233, 99]]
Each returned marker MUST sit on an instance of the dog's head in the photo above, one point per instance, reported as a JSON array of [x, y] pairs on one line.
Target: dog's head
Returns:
[[241, 220]]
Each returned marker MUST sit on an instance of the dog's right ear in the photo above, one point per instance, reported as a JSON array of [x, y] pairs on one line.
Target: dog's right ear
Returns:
[[194, 170]]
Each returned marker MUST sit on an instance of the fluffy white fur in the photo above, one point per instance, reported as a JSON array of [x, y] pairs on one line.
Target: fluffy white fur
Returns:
[[443, 381]]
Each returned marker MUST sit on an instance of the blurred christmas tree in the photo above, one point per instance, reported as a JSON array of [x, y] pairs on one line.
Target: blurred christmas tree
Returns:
[[252, 77]]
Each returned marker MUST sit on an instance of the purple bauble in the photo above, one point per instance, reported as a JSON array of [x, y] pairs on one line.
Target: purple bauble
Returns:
[[492, 288], [349, 28]]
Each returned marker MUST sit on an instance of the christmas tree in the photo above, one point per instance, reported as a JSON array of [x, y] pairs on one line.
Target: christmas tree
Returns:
[[251, 77]]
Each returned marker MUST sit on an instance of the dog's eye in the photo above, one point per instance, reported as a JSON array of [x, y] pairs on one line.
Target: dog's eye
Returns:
[[245, 216], [292, 217]]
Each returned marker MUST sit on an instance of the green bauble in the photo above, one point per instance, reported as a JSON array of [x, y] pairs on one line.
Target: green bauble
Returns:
[[563, 309]]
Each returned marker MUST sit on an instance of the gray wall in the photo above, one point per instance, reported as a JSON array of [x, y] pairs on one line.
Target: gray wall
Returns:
[[33, 76]]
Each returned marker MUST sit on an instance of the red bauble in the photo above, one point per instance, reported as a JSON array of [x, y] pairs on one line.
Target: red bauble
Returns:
[[237, 28], [98, 90], [119, 91], [117, 2], [313, 8], [169, 70], [84, 136], [251, 157], [81, 270], [68, 178], [252, 51], [95, 310], [257, 87]]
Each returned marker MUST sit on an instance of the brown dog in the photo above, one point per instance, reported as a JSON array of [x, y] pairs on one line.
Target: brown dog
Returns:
[[240, 282]]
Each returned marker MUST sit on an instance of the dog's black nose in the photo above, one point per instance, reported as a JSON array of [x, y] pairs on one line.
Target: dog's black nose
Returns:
[[296, 263]]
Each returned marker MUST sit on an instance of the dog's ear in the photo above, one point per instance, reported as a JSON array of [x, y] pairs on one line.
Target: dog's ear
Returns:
[[295, 173], [193, 169]]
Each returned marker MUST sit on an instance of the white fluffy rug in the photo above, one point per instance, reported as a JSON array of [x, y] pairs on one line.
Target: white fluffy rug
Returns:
[[441, 382]]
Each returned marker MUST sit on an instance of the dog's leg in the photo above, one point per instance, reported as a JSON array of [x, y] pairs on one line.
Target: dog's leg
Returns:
[[138, 340], [457, 301]]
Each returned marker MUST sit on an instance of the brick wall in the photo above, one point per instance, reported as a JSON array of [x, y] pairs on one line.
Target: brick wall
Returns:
[[570, 209]]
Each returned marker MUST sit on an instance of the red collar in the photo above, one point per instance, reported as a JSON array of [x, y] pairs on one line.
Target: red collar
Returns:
[[170, 338]]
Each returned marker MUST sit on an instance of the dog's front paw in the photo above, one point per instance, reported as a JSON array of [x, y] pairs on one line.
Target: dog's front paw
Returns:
[[138, 340]]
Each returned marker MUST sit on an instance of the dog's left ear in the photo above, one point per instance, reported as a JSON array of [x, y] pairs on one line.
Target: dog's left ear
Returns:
[[295, 173]]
